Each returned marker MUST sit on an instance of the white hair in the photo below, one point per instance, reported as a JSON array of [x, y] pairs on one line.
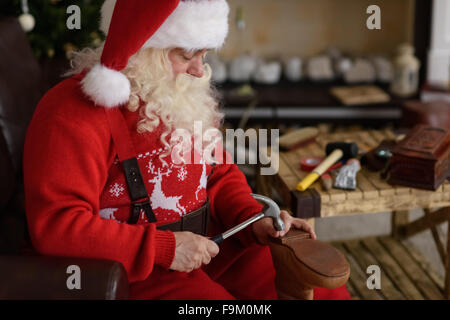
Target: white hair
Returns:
[[159, 97]]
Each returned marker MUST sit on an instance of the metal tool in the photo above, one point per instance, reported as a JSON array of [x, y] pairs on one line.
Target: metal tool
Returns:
[[270, 210], [346, 179], [335, 151]]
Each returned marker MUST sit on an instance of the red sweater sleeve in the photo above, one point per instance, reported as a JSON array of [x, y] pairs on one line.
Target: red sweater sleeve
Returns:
[[66, 160], [230, 199]]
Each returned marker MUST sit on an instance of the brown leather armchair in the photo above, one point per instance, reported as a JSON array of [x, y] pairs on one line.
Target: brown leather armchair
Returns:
[[301, 263], [24, 275]]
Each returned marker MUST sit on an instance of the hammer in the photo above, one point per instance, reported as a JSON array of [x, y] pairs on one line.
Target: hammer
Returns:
[[335, 151], [270, 210]]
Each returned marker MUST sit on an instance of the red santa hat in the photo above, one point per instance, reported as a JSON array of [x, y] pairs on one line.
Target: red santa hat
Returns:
[[132, 25]]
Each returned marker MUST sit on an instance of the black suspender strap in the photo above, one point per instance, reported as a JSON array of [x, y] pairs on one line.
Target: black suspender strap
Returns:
[[140, 199]]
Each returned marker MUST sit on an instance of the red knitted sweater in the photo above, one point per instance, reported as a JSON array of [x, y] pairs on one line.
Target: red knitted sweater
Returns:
[[77, 201]]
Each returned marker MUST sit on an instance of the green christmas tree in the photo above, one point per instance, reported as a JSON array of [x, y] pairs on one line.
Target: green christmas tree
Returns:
[[50, 36]]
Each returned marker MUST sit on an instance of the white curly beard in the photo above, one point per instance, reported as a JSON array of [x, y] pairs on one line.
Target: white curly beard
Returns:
[[175, 102]]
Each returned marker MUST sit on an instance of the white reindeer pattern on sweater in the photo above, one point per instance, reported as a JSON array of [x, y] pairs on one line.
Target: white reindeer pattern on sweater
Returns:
[[173, 191]]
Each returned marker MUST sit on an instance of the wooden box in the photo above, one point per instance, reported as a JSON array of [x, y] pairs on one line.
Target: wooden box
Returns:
[[421, 159], [360, 95]]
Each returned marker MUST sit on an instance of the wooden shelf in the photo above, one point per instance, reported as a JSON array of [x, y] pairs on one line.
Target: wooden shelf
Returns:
[[310, 102], [300, 94]]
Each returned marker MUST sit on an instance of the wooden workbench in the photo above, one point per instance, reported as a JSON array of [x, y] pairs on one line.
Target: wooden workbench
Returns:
[[372, 195]]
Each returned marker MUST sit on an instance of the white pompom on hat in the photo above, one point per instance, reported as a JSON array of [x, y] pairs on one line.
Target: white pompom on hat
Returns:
[[132, 25]]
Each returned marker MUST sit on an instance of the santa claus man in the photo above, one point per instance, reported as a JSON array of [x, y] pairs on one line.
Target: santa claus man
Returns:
[[99, 178]]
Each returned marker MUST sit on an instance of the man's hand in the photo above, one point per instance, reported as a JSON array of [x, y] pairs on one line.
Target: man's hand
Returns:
[[264, 229], [192, 251]]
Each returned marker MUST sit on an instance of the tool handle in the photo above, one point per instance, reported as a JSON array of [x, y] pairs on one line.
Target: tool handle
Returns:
[[217, 239], [334, 157], [307, 181], [327, 181]]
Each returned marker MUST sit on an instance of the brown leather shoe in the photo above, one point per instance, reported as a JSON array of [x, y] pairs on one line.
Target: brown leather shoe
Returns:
[[302, 264]]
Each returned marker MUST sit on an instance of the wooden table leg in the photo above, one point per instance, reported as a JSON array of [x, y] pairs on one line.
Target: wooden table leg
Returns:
[[435, 232], [399, 219]]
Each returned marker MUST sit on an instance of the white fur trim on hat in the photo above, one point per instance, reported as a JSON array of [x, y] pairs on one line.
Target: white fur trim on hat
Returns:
[[193, 25], [106, 87]]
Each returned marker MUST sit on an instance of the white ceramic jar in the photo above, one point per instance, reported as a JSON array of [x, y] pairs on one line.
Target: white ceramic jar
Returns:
[[406, 72]]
